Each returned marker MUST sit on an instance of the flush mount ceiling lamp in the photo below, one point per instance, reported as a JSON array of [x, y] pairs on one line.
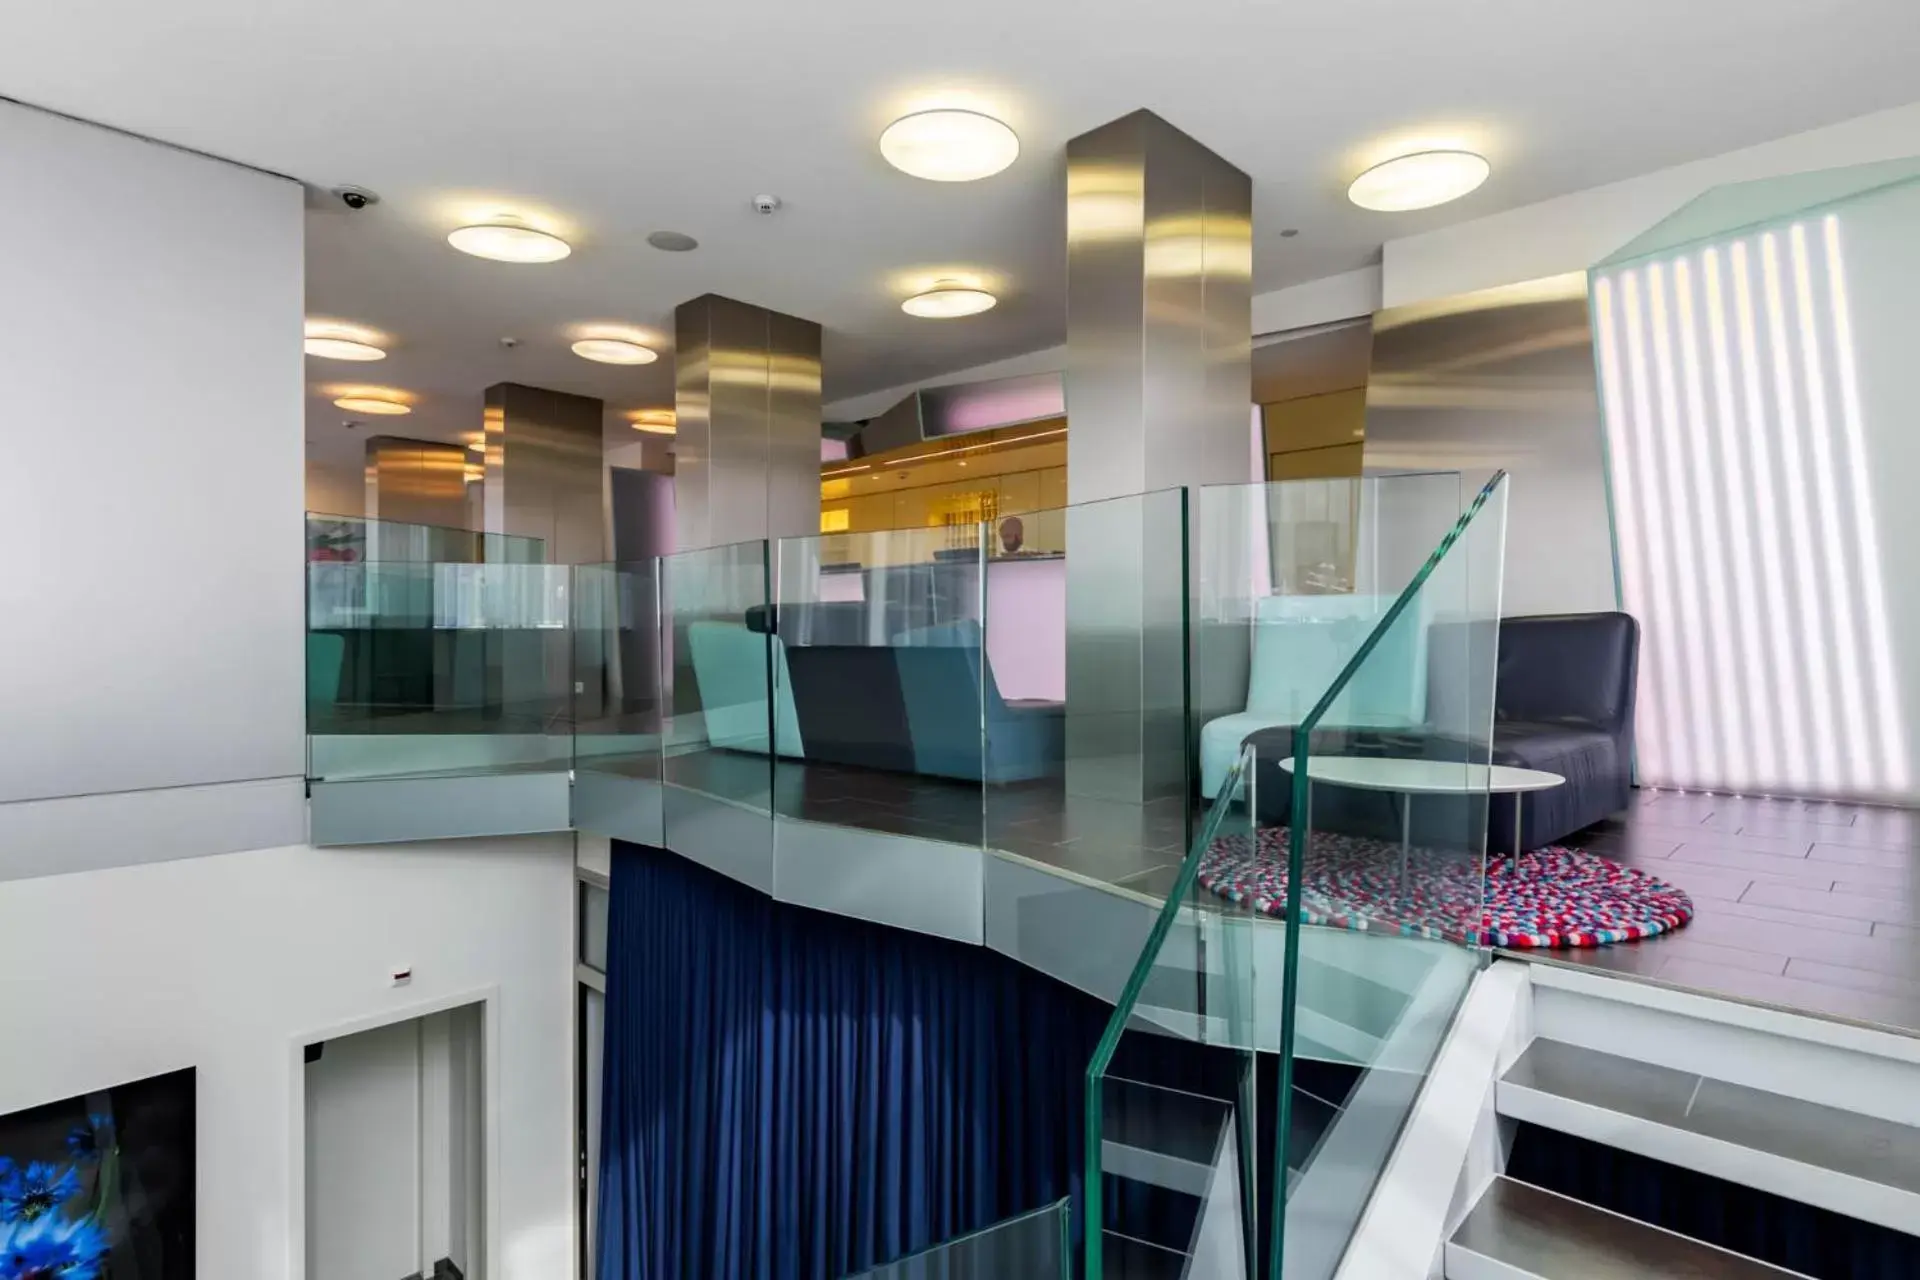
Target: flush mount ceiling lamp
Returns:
[[614, 351], [659, 422], [341, 342], [509, 240], [949, 145], [1420, 180], [948, 300], [378, 401]]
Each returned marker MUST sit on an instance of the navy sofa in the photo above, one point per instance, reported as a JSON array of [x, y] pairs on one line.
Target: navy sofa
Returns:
[[1563, 702], [912, 705]]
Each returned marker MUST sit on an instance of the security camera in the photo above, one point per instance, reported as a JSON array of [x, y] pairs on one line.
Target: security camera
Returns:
[[356, 198], [766, 204]]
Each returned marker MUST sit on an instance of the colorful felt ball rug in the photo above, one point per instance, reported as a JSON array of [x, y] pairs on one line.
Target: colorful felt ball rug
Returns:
[[1560, 898]]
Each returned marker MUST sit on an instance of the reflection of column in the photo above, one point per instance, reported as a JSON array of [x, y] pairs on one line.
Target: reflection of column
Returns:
[[747, 401], [544, 471], [1159, 384]]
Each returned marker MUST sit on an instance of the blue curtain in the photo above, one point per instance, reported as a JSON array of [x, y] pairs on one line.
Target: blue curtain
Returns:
[[796, 1095]]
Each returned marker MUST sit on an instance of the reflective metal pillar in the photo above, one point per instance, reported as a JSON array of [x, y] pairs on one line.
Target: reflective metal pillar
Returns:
[[1159, 384], [544, 471], [747, 400], [416, 482]]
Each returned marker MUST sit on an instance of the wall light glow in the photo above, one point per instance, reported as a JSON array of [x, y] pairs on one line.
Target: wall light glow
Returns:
[[1744, 519]]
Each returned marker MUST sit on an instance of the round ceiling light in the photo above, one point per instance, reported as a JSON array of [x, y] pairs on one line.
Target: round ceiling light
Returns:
[[333, 340], [949, 145], [1419, 181], [660, 422], [509, 242], [380, 406], [614, 351], [946, 301], [342, 349]]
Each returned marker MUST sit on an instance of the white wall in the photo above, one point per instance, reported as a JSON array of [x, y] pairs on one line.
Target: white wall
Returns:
[[228, 963], [1574, 232], [150, 497]]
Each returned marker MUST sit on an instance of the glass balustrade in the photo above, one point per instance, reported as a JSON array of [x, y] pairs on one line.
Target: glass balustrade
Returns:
[[880, 683], [1175, 1089], [619, 701], [1030, 1246], [1220, 756], [1371, 848]]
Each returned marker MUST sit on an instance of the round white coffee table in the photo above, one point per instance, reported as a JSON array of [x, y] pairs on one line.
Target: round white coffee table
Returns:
[[1412, 778]]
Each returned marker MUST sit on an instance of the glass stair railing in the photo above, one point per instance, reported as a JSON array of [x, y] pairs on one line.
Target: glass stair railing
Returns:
[[1172, 1185], [1383, 828], [1031, 1246], [1270, 1042]]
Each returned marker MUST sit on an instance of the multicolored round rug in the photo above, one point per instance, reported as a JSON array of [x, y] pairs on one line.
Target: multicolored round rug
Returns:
[[1561, 898]]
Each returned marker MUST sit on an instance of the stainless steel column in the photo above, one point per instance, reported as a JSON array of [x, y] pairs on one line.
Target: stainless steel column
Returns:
[[1159, 389], [416, 482], [544, 464], [747, 400]]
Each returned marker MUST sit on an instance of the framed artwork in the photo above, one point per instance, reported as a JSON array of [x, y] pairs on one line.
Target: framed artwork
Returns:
[[99, 1186]]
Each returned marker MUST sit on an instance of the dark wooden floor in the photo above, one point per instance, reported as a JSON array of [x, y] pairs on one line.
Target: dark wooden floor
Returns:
[[1808, 906]]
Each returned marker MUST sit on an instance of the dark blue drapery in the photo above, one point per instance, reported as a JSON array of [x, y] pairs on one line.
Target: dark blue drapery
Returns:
[[796, 1095]]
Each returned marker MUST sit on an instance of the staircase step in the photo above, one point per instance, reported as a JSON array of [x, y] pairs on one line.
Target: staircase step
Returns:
[[1124, 1258], [1161, 1136], [1520, 1232], [1843, 1161]]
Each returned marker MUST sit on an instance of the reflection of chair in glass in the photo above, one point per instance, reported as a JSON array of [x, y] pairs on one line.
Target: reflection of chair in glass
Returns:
[[730, 667], [326, 651], [1299, 646]]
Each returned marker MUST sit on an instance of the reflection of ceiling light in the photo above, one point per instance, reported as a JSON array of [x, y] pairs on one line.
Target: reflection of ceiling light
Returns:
[[660, 422], [946, 301], [477, 447], [506, 242], [1419, 181], [949, 145], [614, 351], [378, 405]]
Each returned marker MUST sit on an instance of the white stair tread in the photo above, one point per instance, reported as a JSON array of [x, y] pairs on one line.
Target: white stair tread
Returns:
[[1518, 1231], [1838, 1160]]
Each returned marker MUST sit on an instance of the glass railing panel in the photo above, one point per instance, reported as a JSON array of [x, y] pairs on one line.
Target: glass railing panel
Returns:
[[718, 741], [880, 680], [358, 540], [619, 705], [1030, 1246], [1289, 578], [1174, 1091], [1373, 852], [1086, 715], [432, 669]]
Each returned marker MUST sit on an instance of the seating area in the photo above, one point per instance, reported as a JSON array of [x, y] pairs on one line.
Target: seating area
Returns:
[[1563, 704], [913, 703]]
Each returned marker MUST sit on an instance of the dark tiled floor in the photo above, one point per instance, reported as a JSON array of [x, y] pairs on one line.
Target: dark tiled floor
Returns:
[[1134, 845], [1813, 907]]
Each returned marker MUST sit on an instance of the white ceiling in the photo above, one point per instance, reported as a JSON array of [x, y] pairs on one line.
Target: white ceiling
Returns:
[[615, 118]]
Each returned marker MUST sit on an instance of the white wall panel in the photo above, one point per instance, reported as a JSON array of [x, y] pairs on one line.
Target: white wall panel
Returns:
[[151, 497]]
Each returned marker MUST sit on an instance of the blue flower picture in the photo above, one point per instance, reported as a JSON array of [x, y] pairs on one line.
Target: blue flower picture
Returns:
[[100, 1186]]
